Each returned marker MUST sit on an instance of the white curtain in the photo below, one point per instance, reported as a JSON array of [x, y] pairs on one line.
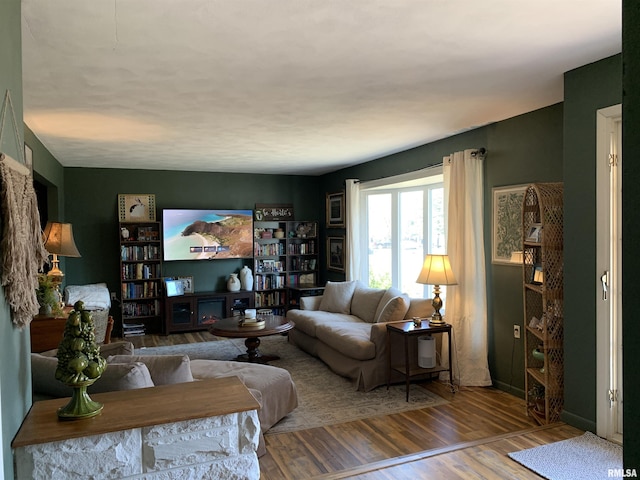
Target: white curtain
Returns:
[[352, 200], [466, 302]]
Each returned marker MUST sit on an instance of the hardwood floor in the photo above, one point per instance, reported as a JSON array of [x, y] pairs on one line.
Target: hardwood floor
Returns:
[[469, 437]]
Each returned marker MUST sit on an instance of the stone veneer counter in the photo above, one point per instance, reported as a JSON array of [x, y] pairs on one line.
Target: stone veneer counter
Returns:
[[201, 429]]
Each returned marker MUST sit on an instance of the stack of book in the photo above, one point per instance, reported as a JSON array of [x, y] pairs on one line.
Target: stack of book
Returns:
[[132, 329]]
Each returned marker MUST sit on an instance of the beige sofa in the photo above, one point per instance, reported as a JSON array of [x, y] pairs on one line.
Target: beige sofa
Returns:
[[346, 328], [272, 387]]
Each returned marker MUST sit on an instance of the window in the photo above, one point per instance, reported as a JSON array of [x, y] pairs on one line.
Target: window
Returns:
[[404, 220]]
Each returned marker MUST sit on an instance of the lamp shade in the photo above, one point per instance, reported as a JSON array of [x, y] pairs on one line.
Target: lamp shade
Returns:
[[436, 270], [58, 239]]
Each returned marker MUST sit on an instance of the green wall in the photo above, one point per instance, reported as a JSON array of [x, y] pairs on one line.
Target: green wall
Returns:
[[587, 89], [48, 171], [91, 206], [15, 365], [523, 149], [631, 229]]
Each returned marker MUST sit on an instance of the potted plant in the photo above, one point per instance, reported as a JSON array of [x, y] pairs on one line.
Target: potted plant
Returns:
[[48, 296]]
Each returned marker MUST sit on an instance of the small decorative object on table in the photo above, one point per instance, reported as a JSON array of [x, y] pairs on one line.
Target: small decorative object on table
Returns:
[[246, 278], [233, 283], [79, 364]]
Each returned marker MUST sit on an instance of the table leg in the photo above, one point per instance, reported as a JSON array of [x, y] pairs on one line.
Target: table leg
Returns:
[[453, 389], [388, 359], [253, 355], [406, 363]]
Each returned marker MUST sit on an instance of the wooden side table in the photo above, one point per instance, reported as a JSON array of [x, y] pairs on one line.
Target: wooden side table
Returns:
[[406, 330], [46, 332]]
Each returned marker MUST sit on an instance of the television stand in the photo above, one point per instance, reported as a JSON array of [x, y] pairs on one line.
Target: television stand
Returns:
[[197, 311]]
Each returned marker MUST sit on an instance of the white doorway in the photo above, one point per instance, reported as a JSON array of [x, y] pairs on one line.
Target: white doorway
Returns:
[[609, 404]]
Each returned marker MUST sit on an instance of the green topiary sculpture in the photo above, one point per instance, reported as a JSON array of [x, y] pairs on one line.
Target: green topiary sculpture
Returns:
[[79, 363]]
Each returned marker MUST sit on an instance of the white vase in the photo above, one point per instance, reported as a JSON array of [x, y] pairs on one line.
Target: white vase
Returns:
[[246, 278], [233, 283]]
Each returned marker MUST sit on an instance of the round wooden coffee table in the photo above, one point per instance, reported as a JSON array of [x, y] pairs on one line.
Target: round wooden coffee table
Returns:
[[231, 328]]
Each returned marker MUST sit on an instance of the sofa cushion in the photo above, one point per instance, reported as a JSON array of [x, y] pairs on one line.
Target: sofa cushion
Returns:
[[307, 321], [271, 386], [388, 295], [419, 307], [351, 339], [337, 297], [310, 303], [164, 369], [116, 377], [122, 376], [365, 302], [394, 310]]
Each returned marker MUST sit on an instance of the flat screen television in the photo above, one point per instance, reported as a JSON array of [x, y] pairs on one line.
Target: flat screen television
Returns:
[[207, 234]]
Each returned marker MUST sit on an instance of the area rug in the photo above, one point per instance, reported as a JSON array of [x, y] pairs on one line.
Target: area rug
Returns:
[[585, 457], [324, 398]]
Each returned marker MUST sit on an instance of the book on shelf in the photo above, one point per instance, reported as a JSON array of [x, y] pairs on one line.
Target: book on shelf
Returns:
[[134, 333], [131, 329]]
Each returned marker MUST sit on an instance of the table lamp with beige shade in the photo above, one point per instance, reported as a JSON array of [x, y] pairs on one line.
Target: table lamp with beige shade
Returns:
[[436, 271], [58, 240]]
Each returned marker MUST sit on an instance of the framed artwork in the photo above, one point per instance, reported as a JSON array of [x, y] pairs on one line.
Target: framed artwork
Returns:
[[28, 158], [335, 209], [173, 287], [537, 275], [335, 254], [137, 207], [535, 233], [187, 284], [507, 223]]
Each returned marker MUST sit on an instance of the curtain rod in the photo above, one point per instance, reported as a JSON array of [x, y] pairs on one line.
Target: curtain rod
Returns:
[[481, 152]]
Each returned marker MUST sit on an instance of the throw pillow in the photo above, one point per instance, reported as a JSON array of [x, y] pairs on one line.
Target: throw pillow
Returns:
[[116, 348], [365, 302], [122, 376], [43, 377], [388, 295], [164, 369], [116, 377], [419, 307], [394, 310], [337, 297]]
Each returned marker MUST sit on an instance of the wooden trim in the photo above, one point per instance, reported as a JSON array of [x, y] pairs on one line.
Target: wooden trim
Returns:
[[394, 462]]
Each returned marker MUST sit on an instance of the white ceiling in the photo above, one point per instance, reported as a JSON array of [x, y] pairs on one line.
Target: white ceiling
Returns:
[[291, 86]]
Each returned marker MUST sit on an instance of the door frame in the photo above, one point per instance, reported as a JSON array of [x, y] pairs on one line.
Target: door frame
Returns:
[[607, 334]]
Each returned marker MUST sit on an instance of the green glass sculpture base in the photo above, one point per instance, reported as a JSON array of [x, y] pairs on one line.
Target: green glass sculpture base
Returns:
[[80, 405]]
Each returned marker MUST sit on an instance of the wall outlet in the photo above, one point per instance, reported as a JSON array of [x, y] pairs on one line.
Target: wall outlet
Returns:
[[516, 331], [113, 296]]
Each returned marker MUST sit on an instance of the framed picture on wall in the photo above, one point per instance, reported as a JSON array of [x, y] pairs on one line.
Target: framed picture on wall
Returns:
[[335, 254], [507, 224], [187, 284], [335, 209], [137, 207]]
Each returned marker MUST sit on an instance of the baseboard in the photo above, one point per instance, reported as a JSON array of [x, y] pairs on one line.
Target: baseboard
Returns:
[[578, 422], [505, 387]]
